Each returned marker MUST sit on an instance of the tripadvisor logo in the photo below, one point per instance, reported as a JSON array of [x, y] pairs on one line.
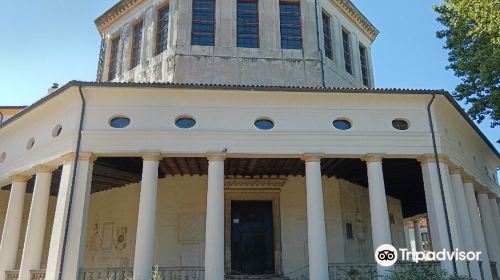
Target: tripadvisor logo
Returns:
[[387, 255]]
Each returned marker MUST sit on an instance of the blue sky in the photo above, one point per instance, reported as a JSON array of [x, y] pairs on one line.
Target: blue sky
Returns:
[[45, 41]]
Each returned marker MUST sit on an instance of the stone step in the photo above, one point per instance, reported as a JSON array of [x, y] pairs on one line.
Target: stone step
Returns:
[[256, 277]]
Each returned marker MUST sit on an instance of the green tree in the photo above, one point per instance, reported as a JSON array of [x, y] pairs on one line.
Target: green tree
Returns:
[[472, 34]]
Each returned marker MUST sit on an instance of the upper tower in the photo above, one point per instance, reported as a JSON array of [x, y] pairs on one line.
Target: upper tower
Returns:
[[245, 42]]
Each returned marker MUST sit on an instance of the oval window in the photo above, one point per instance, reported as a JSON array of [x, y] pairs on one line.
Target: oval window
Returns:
[[185, 122], [30, 144], [119, 122], [264, 124], [57, 130], [400, 124], [2, 157], [342, 124]]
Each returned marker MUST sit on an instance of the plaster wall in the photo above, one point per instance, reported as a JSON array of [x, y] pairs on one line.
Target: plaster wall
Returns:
[[180, 230], [225, 63]]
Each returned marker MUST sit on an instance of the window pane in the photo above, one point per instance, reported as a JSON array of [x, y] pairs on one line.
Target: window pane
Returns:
[[346, 42], [248, 24], [364, 65], [136, 45], [203, 25], [290, 25], [162, 33], [113, 59], [327, 36]]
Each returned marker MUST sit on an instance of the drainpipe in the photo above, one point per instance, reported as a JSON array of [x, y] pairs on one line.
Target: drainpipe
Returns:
[[73, 179], [316, 7], [436, 156]]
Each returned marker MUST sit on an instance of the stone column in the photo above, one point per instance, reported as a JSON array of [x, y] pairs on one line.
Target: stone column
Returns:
[[418, 236], [436, 208], [477, 229], [146, 221], [463, 218], [60, 218], [12, 225], [496, 215], [35, 231], [316, 230], [74, 250], [489, 227], [214, 230], [407, 236], [381, 230]]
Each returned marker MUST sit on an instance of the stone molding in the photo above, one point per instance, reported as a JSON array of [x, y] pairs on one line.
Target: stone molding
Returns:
[[19, 178], [216, 156], [427, 158], [455, 170], [312, 157], [373, 158], [151, 156], [115, 12], [352, 12], [467, 179], [255, 182], [42, 168]]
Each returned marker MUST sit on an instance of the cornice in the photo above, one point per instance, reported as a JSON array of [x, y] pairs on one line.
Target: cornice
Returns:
[[255, 182], [115, 12], [349, 9]]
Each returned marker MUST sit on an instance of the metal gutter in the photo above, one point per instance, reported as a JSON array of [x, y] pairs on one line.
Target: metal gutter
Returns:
[[73, 180]]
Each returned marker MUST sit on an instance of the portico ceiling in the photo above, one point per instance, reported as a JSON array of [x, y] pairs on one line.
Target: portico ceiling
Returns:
[[403, 177]]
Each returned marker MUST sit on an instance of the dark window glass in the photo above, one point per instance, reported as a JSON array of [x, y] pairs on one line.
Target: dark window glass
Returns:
[[400, 124], [327, 36], [185, 122], [346, 42], [349, 231], [264, 124], [113, 59], [162, 31], [119, 122], [135, 58], [248, 23], [290, 25], [203, 29], [364, 65], [342, 124]]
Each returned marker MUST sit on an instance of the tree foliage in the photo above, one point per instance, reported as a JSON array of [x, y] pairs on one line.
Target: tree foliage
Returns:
[[472, 34]]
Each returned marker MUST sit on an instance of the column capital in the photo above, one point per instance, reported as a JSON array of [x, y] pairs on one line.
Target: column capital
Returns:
[[19, 178], [492, 195], [43, 168], [311, 157], [216, 156], [468, 179], [426, 158], [482, 190], [151, 156], [87, 156], [69, 157], [373, 158], [454, 170]]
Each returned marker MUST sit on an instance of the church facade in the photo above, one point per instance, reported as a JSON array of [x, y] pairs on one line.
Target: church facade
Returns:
[[240, 140]]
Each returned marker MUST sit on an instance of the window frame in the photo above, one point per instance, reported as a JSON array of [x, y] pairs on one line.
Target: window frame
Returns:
[[363, 61], [347, 49], [246, 35], [209, 22], [136, 46], [162, 30], [289, 38], [327, 36], [113, 58]]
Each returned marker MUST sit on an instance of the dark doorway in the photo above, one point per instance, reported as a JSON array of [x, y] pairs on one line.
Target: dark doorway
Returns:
[[252, 251]]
